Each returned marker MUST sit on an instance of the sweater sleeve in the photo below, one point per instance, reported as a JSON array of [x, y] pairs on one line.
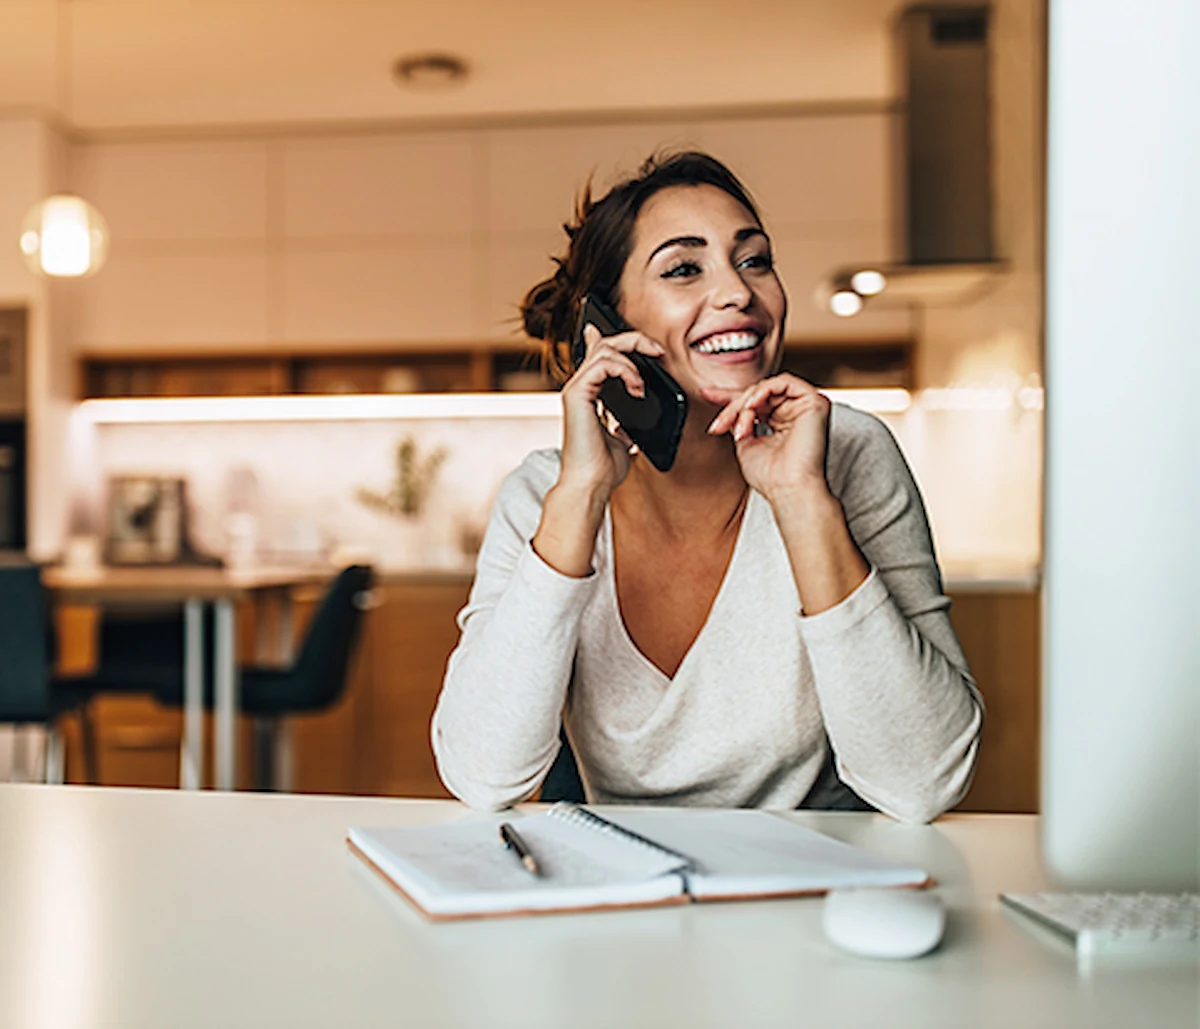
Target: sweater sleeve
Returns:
[[495, 731], [903, 714]]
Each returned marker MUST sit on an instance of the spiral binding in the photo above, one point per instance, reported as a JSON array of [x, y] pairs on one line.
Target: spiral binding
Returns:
[[580, 816]]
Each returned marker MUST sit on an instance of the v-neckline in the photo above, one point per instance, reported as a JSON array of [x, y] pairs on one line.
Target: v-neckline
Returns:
[[615, 599]]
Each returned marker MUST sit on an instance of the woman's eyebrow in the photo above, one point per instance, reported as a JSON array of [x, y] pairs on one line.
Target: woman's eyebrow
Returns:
[[678, 241], [699, 241]]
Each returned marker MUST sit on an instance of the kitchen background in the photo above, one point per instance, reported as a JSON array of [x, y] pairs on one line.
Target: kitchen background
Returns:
[[254, 226]]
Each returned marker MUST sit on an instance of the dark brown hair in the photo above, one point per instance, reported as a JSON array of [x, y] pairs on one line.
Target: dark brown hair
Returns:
[[601, 237]]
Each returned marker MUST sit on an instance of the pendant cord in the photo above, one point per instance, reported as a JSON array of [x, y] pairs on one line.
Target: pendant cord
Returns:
[[63, 79]]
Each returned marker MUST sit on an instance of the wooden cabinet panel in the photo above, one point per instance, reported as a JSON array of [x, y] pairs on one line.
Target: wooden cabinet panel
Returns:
[[1000, 633], [414, 632]]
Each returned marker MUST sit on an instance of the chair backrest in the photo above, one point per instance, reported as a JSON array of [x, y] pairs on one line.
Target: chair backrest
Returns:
[[25, 658], [320, 669], [563, 781]]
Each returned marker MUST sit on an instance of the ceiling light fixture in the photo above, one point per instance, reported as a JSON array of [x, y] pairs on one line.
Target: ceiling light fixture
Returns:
[[868, 282], [63, 236], [845, 303], [430, 72]]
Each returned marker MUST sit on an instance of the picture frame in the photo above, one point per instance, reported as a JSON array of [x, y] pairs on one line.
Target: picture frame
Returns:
[[146, 515]]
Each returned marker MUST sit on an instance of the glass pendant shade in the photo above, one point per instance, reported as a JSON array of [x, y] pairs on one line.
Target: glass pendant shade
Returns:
[[64, 236]]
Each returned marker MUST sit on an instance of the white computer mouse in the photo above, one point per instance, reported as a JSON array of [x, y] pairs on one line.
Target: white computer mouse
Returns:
[[884, 923]]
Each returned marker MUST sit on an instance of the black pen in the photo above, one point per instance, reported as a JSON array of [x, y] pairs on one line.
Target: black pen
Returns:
[[512, 839]]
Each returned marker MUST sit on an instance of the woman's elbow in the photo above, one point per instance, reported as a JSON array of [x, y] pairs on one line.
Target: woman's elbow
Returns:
[[922, 799], [480, 789]]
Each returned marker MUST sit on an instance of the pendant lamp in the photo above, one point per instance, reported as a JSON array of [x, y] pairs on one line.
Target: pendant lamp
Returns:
[[63, 236]]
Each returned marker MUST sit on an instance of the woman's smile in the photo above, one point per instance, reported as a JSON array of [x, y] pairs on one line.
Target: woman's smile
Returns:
[[731, 346]]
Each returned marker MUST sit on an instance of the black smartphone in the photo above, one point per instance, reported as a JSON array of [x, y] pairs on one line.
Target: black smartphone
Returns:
[[654, 422]]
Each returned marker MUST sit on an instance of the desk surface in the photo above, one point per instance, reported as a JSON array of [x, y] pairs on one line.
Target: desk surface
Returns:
[[146, 908]]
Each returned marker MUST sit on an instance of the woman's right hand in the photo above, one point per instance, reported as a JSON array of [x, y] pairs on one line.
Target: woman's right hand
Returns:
[[595, 460]]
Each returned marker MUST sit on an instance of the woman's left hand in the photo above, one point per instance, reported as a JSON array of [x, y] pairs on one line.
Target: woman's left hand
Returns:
[[790, 457]]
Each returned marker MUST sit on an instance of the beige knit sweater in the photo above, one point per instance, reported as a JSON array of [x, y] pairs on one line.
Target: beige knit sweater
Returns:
[[747, 718]]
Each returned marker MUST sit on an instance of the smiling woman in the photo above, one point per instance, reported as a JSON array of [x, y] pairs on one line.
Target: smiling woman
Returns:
[[762, 625]]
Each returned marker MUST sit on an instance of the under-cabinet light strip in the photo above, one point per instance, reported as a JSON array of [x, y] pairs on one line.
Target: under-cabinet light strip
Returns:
[[377, 407], [357, 407]]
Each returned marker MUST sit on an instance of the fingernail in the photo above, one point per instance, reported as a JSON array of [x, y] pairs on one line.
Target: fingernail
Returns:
[[713, 424]]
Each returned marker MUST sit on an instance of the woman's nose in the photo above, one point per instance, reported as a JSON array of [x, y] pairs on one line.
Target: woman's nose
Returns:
[[731, 290]]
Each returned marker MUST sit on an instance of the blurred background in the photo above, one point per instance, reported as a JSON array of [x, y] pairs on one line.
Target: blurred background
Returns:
[[286, 339]]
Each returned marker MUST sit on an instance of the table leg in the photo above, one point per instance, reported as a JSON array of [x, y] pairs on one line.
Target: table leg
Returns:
[[191, 754], [285, 642], [285, 648], [227, 695]]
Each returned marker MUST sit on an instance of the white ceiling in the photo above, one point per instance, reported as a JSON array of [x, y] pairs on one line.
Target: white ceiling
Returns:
[[138, 65]]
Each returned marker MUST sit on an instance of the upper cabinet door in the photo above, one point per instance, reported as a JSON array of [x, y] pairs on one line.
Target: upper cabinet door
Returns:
[[12, 363]]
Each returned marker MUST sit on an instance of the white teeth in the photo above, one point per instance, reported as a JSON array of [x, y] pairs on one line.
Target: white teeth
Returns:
[[727, 342]]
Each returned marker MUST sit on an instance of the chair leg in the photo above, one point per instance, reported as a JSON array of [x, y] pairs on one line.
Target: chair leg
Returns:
[[87, 734], [264, 752], [55, 773], [272, 754], [282, 771]]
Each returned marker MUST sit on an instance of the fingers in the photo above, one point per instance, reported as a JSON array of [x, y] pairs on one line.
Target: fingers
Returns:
[[607, 359], [625, 342], [756, 404], [603, 363]]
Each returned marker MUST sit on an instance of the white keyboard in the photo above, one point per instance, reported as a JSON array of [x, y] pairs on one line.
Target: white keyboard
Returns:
[[1117, 922]]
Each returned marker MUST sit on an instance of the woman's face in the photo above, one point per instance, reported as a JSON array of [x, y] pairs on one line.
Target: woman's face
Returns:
[[700, 280]]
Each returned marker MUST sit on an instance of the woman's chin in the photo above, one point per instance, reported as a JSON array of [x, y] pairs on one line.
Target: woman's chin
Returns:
[[731, 380]]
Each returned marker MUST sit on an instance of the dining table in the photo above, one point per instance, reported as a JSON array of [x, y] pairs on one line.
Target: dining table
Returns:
[[192, 589]]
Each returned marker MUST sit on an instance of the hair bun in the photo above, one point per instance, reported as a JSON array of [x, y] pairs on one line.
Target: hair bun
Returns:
[[548, 309]]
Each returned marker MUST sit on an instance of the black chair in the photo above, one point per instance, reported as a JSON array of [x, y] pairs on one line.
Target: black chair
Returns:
[[145, 655], [27, 660], [563, 781]]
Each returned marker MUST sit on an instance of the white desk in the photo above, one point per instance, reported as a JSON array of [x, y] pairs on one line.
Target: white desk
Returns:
[[147, 908]]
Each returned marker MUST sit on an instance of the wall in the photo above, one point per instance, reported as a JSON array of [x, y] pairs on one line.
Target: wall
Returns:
[[300, 482]]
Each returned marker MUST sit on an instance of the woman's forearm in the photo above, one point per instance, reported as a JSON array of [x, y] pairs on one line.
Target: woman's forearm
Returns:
[[826, 562], [566, 535]]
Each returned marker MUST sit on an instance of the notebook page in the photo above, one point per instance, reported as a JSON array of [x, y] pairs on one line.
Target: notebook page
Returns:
[[744, 852], [466, 869]]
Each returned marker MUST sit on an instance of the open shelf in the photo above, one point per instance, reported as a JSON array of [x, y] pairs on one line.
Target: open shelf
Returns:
[[465, 368]]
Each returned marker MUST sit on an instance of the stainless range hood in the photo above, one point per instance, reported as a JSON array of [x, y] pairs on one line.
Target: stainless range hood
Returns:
[[944, 199]]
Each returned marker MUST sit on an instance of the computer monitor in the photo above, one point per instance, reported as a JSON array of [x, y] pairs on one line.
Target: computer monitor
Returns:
[[1121, 661]]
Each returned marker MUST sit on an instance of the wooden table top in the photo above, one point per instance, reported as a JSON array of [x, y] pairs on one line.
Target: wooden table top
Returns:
[[111, 584]]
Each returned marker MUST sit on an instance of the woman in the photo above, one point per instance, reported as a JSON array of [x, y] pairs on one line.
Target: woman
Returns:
[[739, 629]]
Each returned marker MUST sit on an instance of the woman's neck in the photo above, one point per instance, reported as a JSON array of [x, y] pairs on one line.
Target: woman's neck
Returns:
[[704, 488]]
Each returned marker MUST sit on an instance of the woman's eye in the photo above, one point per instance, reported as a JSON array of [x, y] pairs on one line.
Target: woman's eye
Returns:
[[683, 270], [761, 262]]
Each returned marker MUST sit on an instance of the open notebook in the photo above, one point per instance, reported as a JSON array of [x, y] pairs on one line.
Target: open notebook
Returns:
[[626, 859]]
